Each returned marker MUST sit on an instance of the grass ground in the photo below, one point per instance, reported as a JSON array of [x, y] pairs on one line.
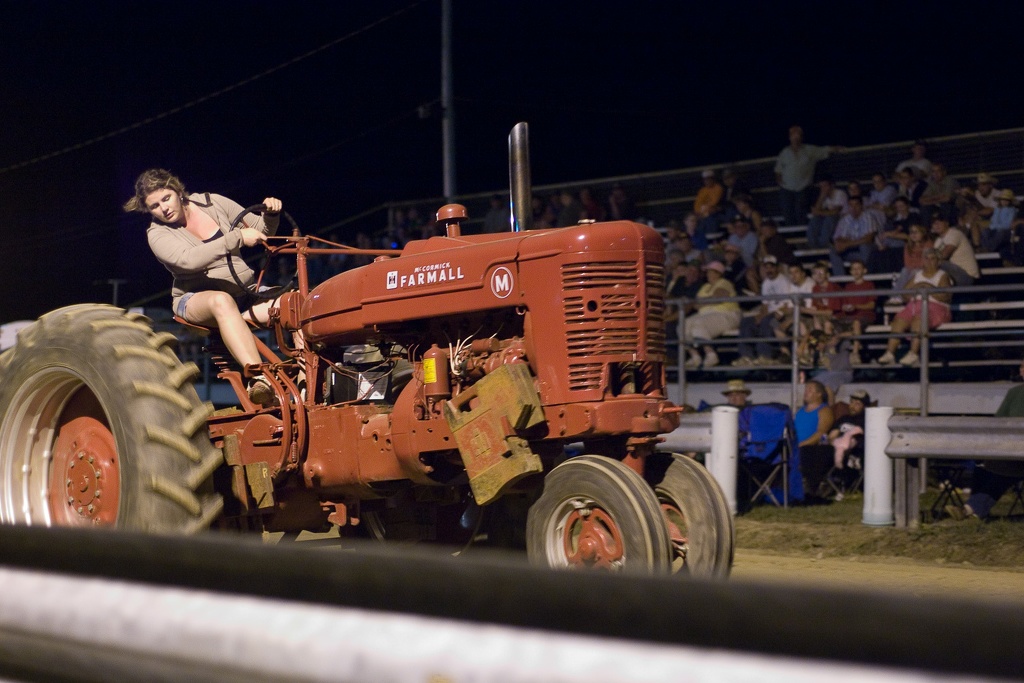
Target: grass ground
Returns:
[[836, 530]]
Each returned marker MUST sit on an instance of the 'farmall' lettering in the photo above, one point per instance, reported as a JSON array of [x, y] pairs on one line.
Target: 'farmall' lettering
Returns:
[[425, 275]]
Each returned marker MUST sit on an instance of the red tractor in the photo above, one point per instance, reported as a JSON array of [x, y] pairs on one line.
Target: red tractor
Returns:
[[507, 388]]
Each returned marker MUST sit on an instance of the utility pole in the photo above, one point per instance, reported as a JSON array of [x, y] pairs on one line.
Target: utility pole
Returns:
[[447, 102]]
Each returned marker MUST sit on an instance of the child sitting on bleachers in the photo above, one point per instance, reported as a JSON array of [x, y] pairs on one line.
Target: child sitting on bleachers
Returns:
[[856, 311]]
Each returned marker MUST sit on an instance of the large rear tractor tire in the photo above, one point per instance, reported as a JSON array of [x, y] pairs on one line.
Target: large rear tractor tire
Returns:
[[100, 426], [596, 513], [699, 521]]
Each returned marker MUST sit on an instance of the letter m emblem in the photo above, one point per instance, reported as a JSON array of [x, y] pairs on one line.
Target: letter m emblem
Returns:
[[502, 282]]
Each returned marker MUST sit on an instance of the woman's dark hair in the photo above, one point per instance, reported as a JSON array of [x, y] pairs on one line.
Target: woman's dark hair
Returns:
[[822, 392], [150, 181]]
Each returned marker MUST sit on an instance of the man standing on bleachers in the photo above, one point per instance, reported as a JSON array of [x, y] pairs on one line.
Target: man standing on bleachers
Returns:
[[940, 195], [918, 163], [794, 173]]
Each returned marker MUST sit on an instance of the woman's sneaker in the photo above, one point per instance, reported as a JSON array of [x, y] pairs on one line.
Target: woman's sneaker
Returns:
[[887, 358], [910, 359], [260, 391]]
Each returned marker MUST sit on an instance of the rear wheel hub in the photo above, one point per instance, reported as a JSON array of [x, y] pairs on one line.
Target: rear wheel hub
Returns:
[[86, 479]]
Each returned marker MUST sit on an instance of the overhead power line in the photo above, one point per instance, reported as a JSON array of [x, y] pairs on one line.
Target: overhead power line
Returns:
[[210, 96]]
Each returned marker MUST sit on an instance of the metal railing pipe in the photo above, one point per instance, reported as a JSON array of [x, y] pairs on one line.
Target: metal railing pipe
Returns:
[[693, 435], [917, 438], [956, 438]]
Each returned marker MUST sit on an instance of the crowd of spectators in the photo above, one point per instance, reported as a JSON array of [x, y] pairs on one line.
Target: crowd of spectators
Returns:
[[909, 222]]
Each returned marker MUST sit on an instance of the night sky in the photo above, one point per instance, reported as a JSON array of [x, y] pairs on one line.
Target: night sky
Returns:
[[322, 103]]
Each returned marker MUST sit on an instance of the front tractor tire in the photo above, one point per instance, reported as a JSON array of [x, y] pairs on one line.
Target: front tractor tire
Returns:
[[596, 513], [699, 521], [100, 426]]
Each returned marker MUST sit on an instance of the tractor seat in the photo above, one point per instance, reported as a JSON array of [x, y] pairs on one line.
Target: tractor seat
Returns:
[[197, 329], [206, 331]]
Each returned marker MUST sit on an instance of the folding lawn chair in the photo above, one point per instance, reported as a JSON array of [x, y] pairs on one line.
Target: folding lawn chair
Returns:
[[846, 480], [768, 453], [1018, 497], [949, 475]]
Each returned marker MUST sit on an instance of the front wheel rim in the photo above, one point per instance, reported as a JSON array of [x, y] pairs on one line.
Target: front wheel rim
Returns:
[[586, 536]]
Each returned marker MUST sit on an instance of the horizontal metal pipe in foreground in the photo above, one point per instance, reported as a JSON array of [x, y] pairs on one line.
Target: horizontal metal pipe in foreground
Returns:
[[89, 629], [958, 438], [837, 626]]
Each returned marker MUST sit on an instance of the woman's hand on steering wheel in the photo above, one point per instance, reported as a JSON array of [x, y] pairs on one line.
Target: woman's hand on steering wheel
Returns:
[[273, 204], [251, 237]]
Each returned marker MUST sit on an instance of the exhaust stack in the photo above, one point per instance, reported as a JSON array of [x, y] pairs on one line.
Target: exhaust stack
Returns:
[[520, 187]]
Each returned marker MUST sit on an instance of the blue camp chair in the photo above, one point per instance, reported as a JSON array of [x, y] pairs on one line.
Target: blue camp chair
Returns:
[[769, 454]]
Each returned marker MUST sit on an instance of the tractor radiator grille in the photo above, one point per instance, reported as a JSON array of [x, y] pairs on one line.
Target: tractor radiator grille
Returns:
[[655, 309], [614, 308]]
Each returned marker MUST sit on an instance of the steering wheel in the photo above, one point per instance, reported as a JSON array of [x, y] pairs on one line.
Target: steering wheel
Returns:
[[270, 292]]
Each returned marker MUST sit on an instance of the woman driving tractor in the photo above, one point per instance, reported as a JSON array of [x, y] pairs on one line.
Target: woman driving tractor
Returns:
[[191, 235]]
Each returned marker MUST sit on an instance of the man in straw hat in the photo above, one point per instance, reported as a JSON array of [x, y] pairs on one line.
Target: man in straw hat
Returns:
[[737, 394], [983, 199], [997, 234]]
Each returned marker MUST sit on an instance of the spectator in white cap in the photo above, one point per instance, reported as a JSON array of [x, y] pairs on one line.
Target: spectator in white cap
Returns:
[[712, 319], [762, 321], [847, 434]]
